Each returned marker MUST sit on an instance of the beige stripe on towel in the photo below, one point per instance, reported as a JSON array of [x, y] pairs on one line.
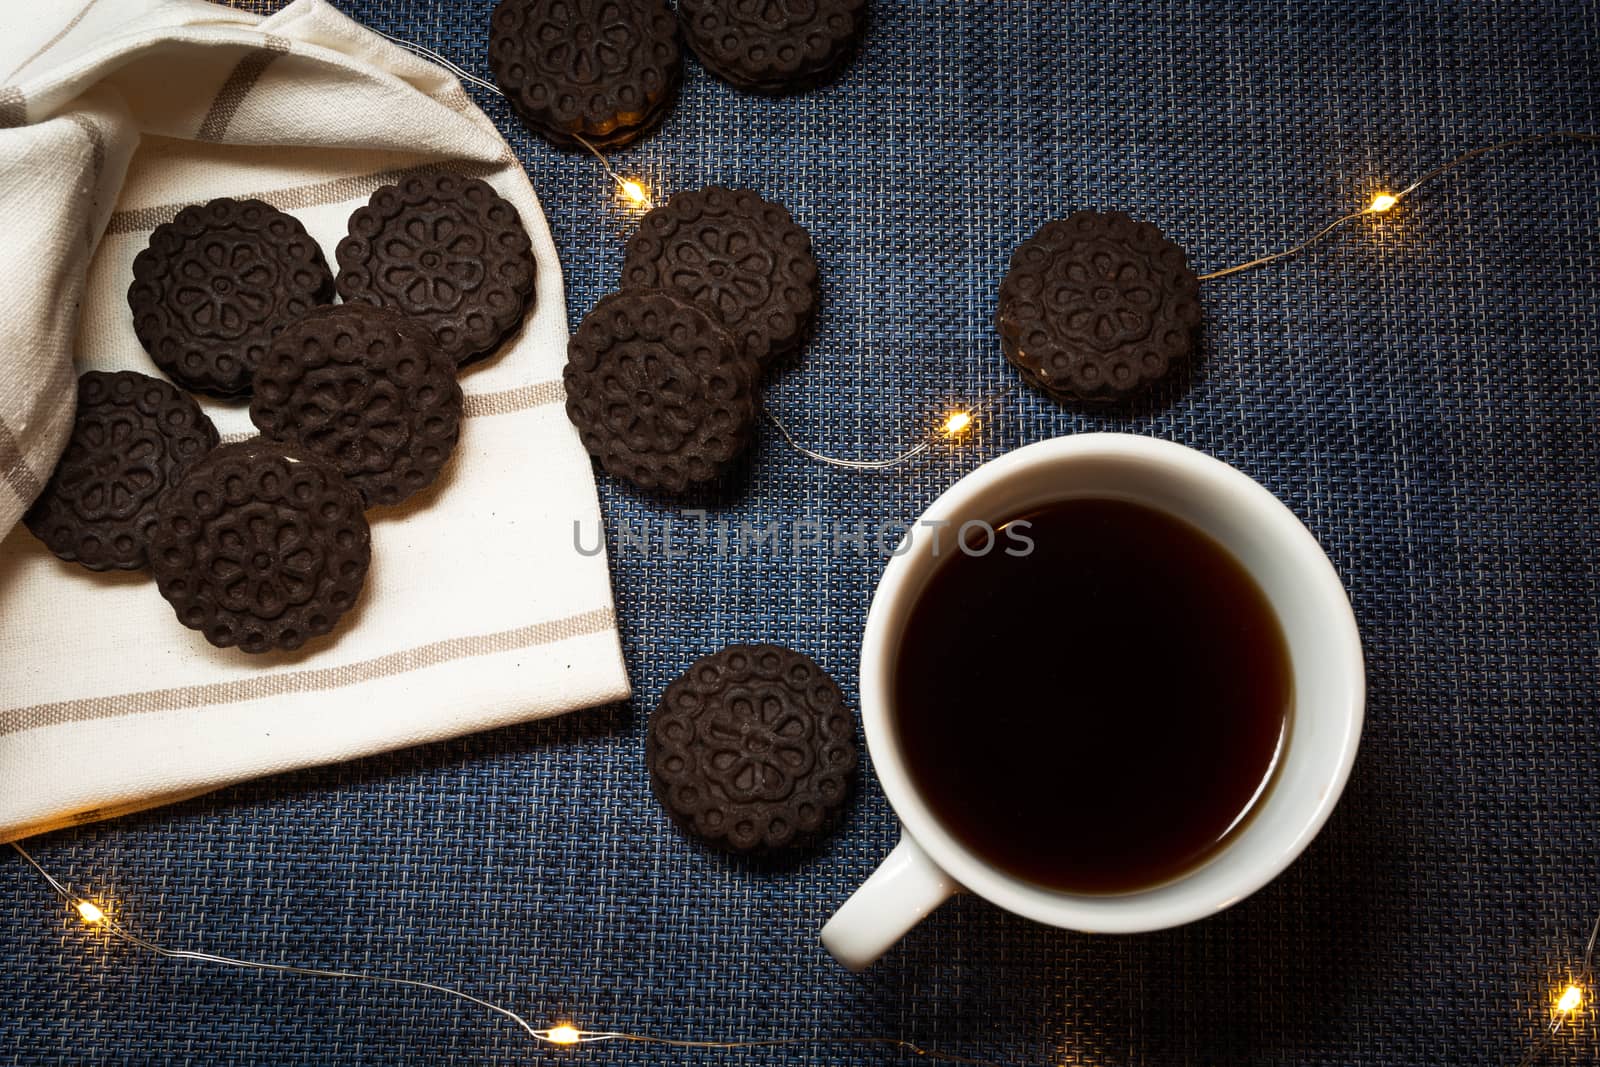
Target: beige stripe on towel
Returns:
[[14, 469], [320, 679], [13, 107], [234, 91], [52, 42], [510, 400], [505, 402]]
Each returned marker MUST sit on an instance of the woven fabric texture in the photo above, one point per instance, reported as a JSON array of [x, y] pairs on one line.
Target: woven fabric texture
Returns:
[[1424, 391]]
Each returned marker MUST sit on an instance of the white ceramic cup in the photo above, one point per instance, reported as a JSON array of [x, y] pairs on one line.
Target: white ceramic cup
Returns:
[[1329, 686]]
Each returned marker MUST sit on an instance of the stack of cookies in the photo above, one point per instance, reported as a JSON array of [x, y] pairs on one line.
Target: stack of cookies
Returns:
[[263, 543], [772, 48], [1097, 309], [663, 378], [606, 71]]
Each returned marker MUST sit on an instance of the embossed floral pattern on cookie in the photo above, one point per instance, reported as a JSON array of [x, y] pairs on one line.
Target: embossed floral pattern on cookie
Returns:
[[603, 70], [216, 284], [752, 748], [447, 251], [132, 438], [1097, 307], [740, 257], [260, 546], [367, 390], [659, 392], [774, 46]]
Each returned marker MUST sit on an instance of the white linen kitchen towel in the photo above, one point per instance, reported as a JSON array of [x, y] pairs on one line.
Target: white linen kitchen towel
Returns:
[[479, 610]]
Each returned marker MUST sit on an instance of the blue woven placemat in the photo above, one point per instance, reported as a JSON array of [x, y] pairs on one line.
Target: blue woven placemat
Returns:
[[1424, 392]]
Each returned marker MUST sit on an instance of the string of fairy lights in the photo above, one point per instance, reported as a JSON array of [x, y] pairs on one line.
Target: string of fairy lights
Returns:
[[1568, 999], [957, 424], [98, 916], [1571, 998]]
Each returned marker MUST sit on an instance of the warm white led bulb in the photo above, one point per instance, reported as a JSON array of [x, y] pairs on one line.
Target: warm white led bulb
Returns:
[[635, 193], [564, 1034]]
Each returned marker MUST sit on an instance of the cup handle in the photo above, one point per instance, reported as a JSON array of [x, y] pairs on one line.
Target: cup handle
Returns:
[[904, 890]]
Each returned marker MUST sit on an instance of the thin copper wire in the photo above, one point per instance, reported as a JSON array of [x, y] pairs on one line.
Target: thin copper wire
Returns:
[[429, 54], [1585, 975], [1441, 169], [622, 184], [571, 1035], [122, 933], [1259, 261], [489, 86], [926, 444], [848, 464], [1584, 980], [929, 439]]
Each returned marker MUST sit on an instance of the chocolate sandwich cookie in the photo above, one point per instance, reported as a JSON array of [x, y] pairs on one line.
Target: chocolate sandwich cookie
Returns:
[[741, 258], [215, 286], [1097, 308], [658, 391], [260, 546], [367, 390], [752, 749], [774, 46], [447, 251], [603, 70], [132, 438]]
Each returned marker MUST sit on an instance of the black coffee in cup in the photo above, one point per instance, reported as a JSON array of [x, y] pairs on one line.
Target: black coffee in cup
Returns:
[[1101, 713]]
